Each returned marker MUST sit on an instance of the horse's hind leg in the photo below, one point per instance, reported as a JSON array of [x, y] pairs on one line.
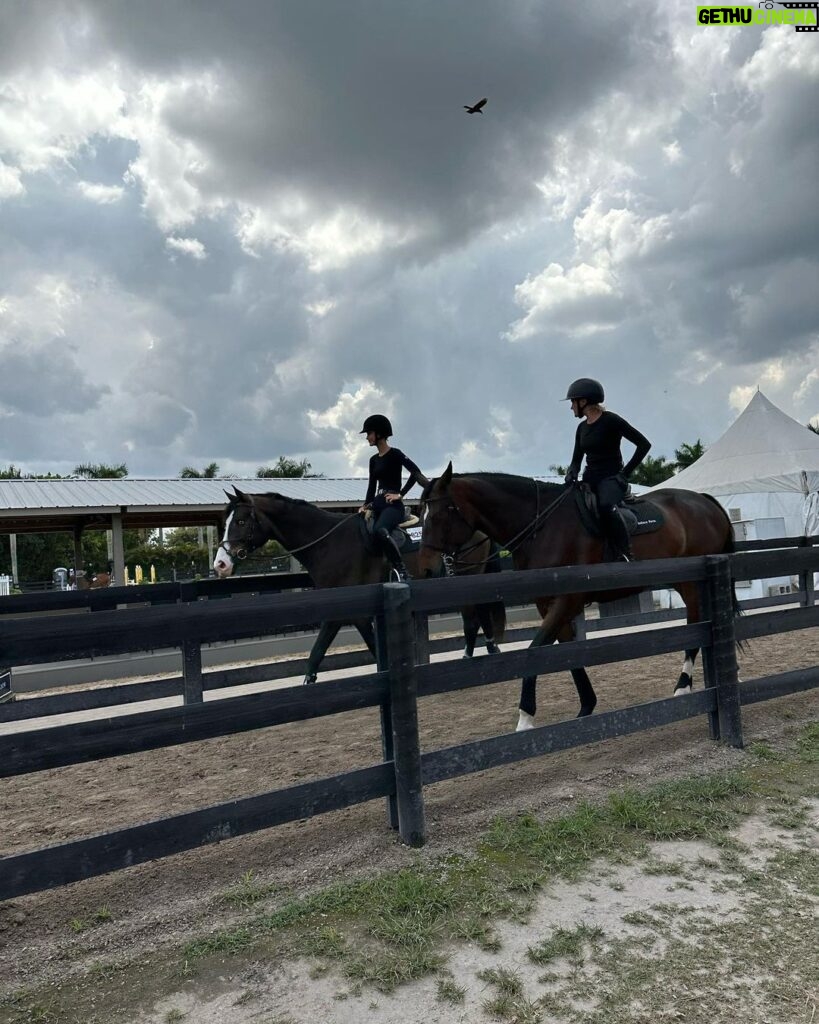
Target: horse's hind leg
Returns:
[[690, 595], [325, 636], [685, 684], [585, 690]]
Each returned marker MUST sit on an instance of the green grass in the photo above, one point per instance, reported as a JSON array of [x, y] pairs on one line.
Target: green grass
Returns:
[[248, 891], [568, 943], [449, 992]]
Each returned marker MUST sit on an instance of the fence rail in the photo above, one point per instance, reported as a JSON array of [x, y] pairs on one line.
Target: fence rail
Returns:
[[403, 678]]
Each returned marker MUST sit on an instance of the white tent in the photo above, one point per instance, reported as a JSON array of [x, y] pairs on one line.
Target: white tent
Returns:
[[764, 471]]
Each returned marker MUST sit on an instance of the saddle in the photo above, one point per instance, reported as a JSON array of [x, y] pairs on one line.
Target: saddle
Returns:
[[639, 514], [406, 536]]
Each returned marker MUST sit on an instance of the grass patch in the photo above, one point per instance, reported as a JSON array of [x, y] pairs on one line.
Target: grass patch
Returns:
[[450, 992], [248, 891], [565, 943], [508, 1002]]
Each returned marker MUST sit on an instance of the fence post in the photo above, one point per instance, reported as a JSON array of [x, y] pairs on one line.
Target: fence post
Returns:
[[709, 674], [421, 626], [382, 663], [192, 688], [806, 593], [723, 654], [404, 698]]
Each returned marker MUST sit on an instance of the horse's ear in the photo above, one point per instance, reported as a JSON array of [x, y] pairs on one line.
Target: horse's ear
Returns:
[[230, 497], [446, 476], [240, 495]]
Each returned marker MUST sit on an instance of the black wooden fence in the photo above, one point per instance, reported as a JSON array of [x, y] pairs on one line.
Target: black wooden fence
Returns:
[[404, 675]]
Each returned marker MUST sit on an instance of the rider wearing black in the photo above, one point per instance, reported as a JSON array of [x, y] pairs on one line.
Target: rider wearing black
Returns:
[[598, 438], [384, 492]]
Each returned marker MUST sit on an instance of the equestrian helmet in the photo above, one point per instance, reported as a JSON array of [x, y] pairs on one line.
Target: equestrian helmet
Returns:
[[378, 424], [586, 387]]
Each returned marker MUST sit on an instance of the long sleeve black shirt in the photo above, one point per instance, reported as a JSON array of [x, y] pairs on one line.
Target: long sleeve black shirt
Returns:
[[385, 473], [600, 443]]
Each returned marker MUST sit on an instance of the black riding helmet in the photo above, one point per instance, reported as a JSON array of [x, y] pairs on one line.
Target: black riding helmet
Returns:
[[586, 387], [378, 424]]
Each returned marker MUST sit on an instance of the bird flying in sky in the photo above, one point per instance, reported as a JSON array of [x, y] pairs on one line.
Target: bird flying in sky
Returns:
[[477, 108]]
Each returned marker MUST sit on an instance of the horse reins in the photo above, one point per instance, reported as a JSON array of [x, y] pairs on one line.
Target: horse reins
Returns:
[[290, 551], [529, 530]]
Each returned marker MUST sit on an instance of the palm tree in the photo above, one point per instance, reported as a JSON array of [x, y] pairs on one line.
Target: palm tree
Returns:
[[101, 471], [287, 467], [210, 472], [687, 454]]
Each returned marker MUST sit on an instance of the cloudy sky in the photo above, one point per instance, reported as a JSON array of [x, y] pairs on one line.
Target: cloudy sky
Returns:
[[229, 231]]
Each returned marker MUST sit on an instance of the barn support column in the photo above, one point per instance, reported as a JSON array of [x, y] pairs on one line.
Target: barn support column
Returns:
[[77, 552], [15, 576], [117, 549]]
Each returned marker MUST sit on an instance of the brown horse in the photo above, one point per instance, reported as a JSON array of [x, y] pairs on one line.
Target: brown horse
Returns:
[[540, 524], [99, 579], [332, 547]]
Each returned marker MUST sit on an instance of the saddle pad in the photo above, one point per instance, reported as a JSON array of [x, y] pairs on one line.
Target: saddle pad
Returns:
[[639, 515]]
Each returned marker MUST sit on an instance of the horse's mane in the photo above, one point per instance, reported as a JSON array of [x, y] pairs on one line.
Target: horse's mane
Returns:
[[519, 487], [297, 501]]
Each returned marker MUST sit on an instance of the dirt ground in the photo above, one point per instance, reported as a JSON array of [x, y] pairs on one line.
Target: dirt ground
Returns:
[[161, 903]]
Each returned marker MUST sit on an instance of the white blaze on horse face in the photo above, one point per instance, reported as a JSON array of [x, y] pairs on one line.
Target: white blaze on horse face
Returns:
[[223, 563]]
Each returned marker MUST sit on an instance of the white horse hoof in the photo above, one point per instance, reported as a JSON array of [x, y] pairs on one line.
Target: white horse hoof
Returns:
[[681, 690], [525, 721]]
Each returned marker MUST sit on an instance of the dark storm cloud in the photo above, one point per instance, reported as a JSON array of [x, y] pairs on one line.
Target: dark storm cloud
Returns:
[[44, 381], [358, 229]]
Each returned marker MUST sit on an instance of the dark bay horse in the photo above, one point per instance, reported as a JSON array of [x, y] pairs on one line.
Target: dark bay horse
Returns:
[[331, 547], [505, 507]]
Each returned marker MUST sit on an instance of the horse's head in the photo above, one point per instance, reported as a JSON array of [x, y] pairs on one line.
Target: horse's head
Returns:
[[243, 533], [444, 527]]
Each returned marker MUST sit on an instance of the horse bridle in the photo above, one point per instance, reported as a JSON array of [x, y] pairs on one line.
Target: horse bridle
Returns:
[[529, 530], [243, 552]]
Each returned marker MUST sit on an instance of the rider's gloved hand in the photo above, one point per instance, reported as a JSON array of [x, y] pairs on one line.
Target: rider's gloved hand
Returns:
[[571, 477], [621, 479]]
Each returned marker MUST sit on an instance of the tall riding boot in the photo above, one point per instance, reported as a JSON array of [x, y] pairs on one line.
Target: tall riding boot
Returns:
[[390, 549], [619, 536]]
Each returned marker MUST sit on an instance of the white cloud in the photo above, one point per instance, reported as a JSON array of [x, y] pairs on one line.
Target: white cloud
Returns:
[[320, 309], [10, 184], [581, 300], [46, 117], [187, 246], [346, 416], [170, 165], [102, 194], [328, 241]]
